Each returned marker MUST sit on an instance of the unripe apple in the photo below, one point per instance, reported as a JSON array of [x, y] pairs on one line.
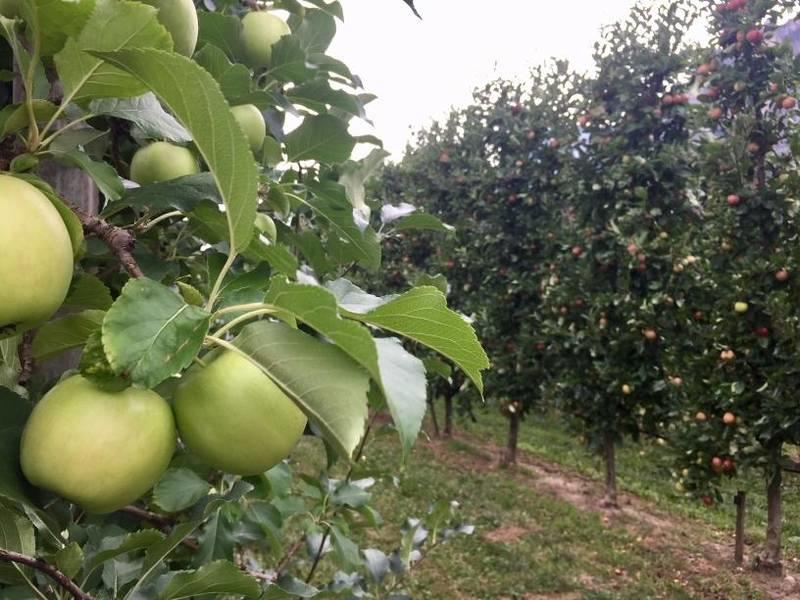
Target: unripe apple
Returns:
[[266, 225], [679, 487], [627, 390], [162, 161], [97, 447], [35, 257], [179, 18], [729, 418], [252, 123], [235, 418], [260, 31], [741, 307]]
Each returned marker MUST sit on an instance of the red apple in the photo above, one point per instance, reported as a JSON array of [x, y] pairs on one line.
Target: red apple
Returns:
[[714, 113], [729, 418], [789, 102], [577, 251], [716, 465], [728, 466], [755, 36], [651, 335], [708, 501], [782, 276], [762, 332], [734, 200]]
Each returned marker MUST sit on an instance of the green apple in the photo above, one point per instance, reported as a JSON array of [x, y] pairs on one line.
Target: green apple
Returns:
[[35, 257], [252, 123], [235, 418], [162, 161], [741, 307], [179, 18], [260, 30], [266, 225], [99, 448]]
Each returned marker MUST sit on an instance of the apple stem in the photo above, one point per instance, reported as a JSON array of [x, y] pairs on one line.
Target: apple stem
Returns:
[[49, 570]]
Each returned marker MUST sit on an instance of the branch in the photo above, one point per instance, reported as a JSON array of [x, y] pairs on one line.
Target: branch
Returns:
[[26, 360], [160, 522], [413, 8], [49, 570], [120, 241]]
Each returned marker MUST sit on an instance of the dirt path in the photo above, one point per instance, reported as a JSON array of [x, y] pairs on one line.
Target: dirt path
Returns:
[[702, 549]]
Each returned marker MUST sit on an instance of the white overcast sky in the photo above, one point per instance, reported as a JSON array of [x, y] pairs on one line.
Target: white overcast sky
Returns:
[[419, 69]]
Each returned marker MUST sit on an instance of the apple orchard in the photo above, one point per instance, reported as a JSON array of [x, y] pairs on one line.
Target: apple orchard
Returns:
[[196, 274]]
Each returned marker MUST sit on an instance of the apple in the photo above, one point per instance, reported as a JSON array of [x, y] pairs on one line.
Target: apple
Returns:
[[727, 355], [676, 381], [98, 447], [753, 148], [651, 335], [782, 276], [789, 103], [627, 390], [260, 31], [698, 315], [714, 113], [734, 200], [179, 18], [444, 157], [252, 123], [162, 161], [266, 225], [704, 69], [577, 251], [755, 36], [729, 418], [35, 257], [762, 332], [235, 418], [716, 465], [741, 307], [700, 417], [668, 99], [541, 346], [728, 466], [708, 501], [739, 86]]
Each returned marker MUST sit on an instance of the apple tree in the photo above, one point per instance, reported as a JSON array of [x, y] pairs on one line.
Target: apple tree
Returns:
[[624, 216], [741, 308], [174, 312]]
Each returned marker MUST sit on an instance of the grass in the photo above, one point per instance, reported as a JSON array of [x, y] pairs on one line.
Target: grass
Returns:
[[530, 545]]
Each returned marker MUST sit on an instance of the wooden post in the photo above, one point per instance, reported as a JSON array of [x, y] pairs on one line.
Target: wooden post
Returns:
[[609, 451], [740, 500]]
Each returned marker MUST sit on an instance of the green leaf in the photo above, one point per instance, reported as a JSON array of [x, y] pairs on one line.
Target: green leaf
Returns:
[[60, 335], [69, 559], [146, 113], [345, 550], [222, 31], [117, 546], [318, 95], [323, 138], [60, 19], [220, 577], [234, 80], [16, 535], [183, 194], [14, 412], [15, 117], [320, 378], [404, 387], [316, 307], [196, 100], [88, 292], [179, 489], [422, 221], [422, 315], [346, 242], [150, 333], [355, 176], [112, 26], [103, 174]]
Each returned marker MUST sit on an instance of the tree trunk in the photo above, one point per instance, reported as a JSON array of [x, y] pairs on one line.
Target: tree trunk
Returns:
[[448, 415], [609, 452], [770, 560], [432, 408], [513, 437], [741, 515]]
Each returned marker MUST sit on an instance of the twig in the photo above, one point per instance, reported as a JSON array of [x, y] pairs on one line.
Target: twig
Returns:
[[49, 570], [161, 522], [120, 241], [26, 361]]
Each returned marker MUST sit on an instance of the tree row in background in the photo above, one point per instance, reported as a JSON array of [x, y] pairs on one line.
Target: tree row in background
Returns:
[[626, 240]]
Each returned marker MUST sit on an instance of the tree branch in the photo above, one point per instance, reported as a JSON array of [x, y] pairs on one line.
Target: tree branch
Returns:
[[49, 570], [120, 241], [26, 360]]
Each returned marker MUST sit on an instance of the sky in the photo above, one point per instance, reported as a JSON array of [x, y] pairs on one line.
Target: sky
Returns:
[[419, 69]]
